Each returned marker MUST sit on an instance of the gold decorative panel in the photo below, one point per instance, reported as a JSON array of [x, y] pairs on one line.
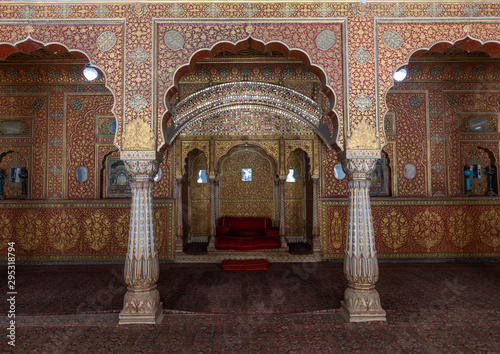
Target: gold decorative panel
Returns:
[[249, 198]]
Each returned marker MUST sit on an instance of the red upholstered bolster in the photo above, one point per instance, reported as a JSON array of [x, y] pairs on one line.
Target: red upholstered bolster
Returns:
[[272, 231], [222, 230]]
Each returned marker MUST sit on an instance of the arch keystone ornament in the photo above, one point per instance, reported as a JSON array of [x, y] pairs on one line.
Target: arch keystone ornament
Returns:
[[361, 300], [141, 304]]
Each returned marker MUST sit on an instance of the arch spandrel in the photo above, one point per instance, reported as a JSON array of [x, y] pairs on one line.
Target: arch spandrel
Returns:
[[398, 40], [103, 45]]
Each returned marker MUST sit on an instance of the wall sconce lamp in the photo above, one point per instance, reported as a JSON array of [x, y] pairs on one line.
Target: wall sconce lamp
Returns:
[[90, 73], [400, 74]]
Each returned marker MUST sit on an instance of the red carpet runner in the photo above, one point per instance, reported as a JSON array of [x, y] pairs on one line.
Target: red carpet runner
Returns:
[[245, 264]]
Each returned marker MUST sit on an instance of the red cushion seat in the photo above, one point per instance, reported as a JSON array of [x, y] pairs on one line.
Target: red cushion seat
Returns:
[[234, 243], [246, 234]]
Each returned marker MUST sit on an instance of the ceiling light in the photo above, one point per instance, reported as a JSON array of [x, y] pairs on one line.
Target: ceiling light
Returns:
[[400, 74], [90, 73]]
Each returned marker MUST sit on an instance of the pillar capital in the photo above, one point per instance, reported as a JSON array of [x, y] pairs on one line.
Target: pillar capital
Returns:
[[141, 165], [359, 164]]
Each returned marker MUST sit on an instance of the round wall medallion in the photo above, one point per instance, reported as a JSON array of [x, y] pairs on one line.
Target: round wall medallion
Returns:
[[392, 39], [53, 73], [106, 41], [76, 104], [37, 104], [410, 171], [81, 174], [174, 40], [325, 40]]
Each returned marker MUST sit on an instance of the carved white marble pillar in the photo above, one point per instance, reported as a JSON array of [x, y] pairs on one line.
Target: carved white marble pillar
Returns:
[[284, 244], [179, 243], [211, 240], [315, 221], [361, 300], [142, 300]]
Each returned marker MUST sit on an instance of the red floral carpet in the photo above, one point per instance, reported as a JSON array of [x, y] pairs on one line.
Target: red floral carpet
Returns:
[[431, 308]]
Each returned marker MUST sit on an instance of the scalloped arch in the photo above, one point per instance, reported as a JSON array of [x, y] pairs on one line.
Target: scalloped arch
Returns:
[[263, 47], [29, 46]]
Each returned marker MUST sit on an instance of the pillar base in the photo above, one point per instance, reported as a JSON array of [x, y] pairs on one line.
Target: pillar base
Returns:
[[211, 244], [316, 245], [141, 308], [361, 305]]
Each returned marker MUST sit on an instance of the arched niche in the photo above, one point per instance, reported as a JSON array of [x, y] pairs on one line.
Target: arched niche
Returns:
[[395, 52], [49, 72], [12, 161], [459, 80], [196, 196], [108, 66]]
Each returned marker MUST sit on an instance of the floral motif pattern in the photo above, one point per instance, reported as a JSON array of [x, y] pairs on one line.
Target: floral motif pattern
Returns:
[[362, 102], [287, 10], [490, 228], [394, 230], [101, 11], [97, 231], [361, 56], [63, 231], [213, 10], [397, 10], [138, 103], [64, 11], [434, 10], [138, 56], [176, 10], [429, 229], [461, 228]]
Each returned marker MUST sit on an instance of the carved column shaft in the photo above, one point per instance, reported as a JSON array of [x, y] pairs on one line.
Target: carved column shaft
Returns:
[[179, 242], [211, 241], [217, 191], [277, 201], [315, 221], [282, 231], [142, 300], [190, 212], [361, 300]]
